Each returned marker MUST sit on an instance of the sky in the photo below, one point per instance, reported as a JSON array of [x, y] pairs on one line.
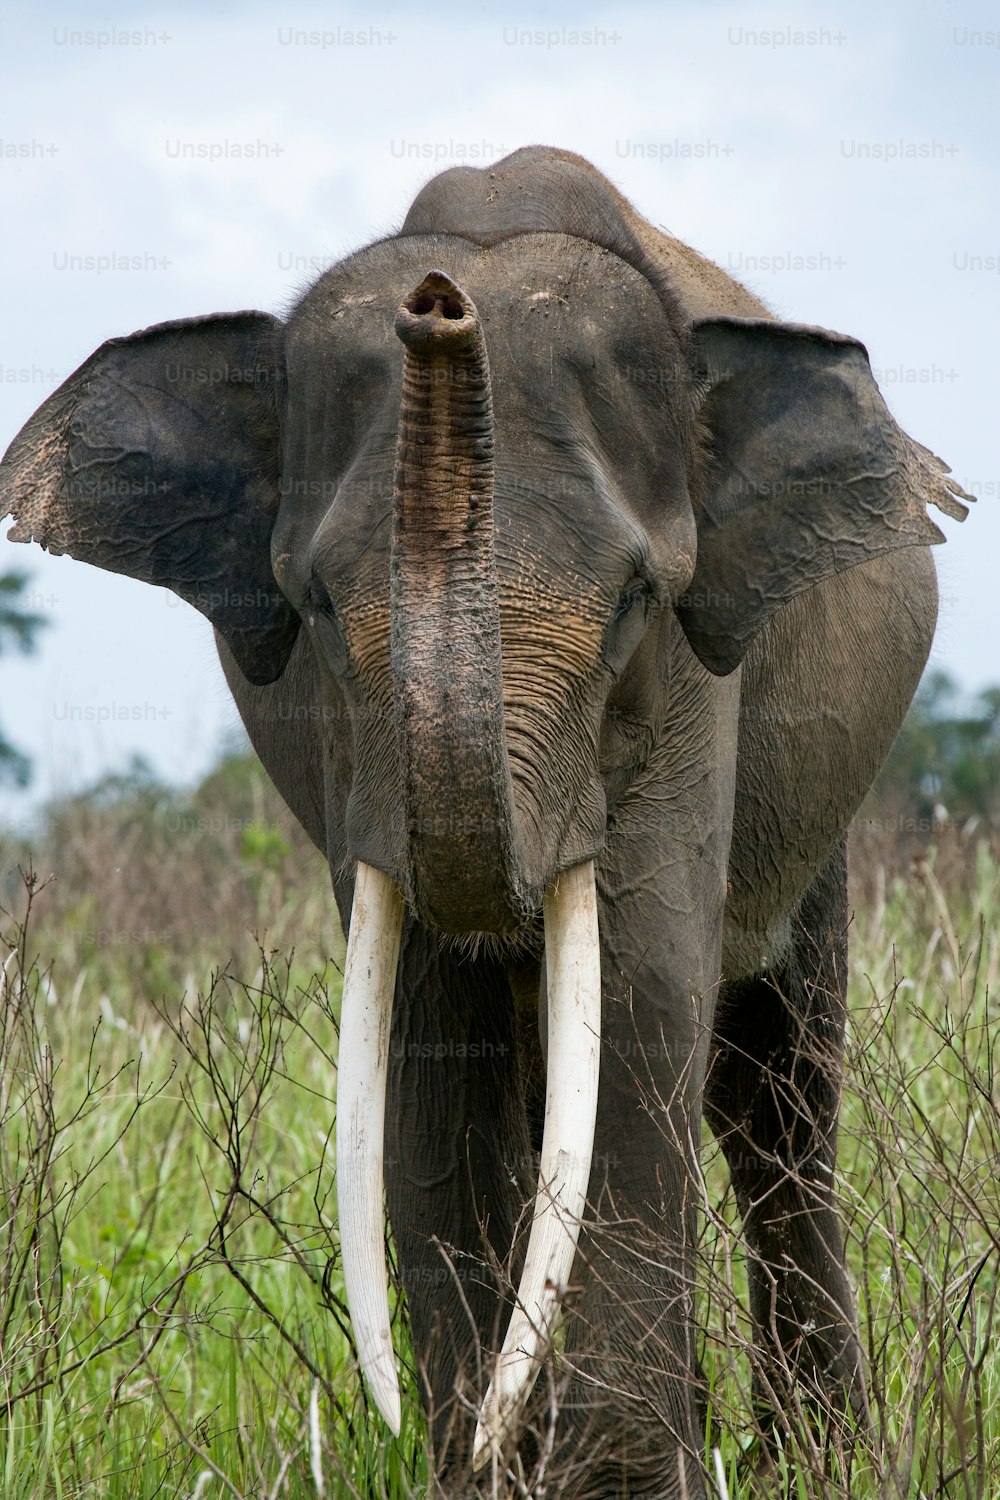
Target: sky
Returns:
[[840, 160]]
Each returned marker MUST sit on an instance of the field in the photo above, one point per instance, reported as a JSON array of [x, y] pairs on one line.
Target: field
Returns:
[[171, 1321]]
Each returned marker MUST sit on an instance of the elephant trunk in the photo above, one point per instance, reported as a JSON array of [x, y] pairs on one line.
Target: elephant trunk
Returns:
[[462, 844], [464, 870]]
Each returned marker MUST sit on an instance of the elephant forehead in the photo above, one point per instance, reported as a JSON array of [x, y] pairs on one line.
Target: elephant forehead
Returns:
[[590, 389], [542, 298]]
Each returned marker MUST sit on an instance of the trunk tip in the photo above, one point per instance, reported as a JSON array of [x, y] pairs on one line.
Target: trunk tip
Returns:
[[436, 310]]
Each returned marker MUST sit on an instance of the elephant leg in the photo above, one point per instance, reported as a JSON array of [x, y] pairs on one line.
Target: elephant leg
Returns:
[[627, 1415], [458, 1175], [772, 1097], [628, 1422]]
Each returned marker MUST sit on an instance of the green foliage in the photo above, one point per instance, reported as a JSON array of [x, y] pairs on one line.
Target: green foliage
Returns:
[[18, 628], [161, 884], [171, 1311], [18, 625], [946, 761]]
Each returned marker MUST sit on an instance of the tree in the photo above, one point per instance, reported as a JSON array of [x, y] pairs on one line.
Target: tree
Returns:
[[946, 762], [18, 627]]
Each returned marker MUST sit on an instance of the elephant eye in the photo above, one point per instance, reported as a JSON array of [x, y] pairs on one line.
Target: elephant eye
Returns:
[[328, 634], [636, 591], [627, 624], [318, 598]]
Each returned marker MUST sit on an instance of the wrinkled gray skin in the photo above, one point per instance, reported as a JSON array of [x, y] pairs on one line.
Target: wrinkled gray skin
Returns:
[[714, 601]]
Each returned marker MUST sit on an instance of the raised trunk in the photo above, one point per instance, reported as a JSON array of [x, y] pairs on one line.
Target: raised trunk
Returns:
[[446, 663], [464, 868]]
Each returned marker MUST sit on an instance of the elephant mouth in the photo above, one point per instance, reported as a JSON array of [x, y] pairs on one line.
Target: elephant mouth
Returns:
[[573, 968]]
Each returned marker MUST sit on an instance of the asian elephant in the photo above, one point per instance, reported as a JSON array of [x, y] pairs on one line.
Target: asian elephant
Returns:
[[572, 602]]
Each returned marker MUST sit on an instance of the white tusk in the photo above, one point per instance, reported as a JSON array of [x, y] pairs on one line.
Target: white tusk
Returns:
[[573, 967], [362, 1070]]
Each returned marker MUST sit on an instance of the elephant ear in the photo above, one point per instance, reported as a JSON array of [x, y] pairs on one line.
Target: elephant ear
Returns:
[[807, 475], [159, 458]]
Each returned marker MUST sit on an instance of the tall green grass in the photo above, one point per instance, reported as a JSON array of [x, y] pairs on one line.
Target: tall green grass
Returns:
[[171, 1312], [918, 1164], [171, 1307]]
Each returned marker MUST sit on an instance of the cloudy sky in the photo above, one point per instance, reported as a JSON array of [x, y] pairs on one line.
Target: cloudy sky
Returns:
[[841, 160]]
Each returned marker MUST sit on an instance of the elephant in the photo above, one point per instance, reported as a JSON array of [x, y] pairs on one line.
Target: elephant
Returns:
[[572, 601]]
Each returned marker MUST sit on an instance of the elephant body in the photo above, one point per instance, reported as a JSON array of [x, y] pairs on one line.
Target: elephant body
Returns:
[[653, 591]]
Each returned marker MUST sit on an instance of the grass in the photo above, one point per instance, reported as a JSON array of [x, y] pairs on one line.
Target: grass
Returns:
[[171, 1315], [169, 1204], [918, 1159]]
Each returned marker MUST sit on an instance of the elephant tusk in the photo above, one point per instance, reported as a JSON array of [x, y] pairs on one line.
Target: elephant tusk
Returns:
[[573, 967], [362, 1070]]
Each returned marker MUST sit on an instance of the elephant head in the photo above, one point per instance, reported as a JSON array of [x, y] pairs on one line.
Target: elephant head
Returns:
[[504, 484]]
